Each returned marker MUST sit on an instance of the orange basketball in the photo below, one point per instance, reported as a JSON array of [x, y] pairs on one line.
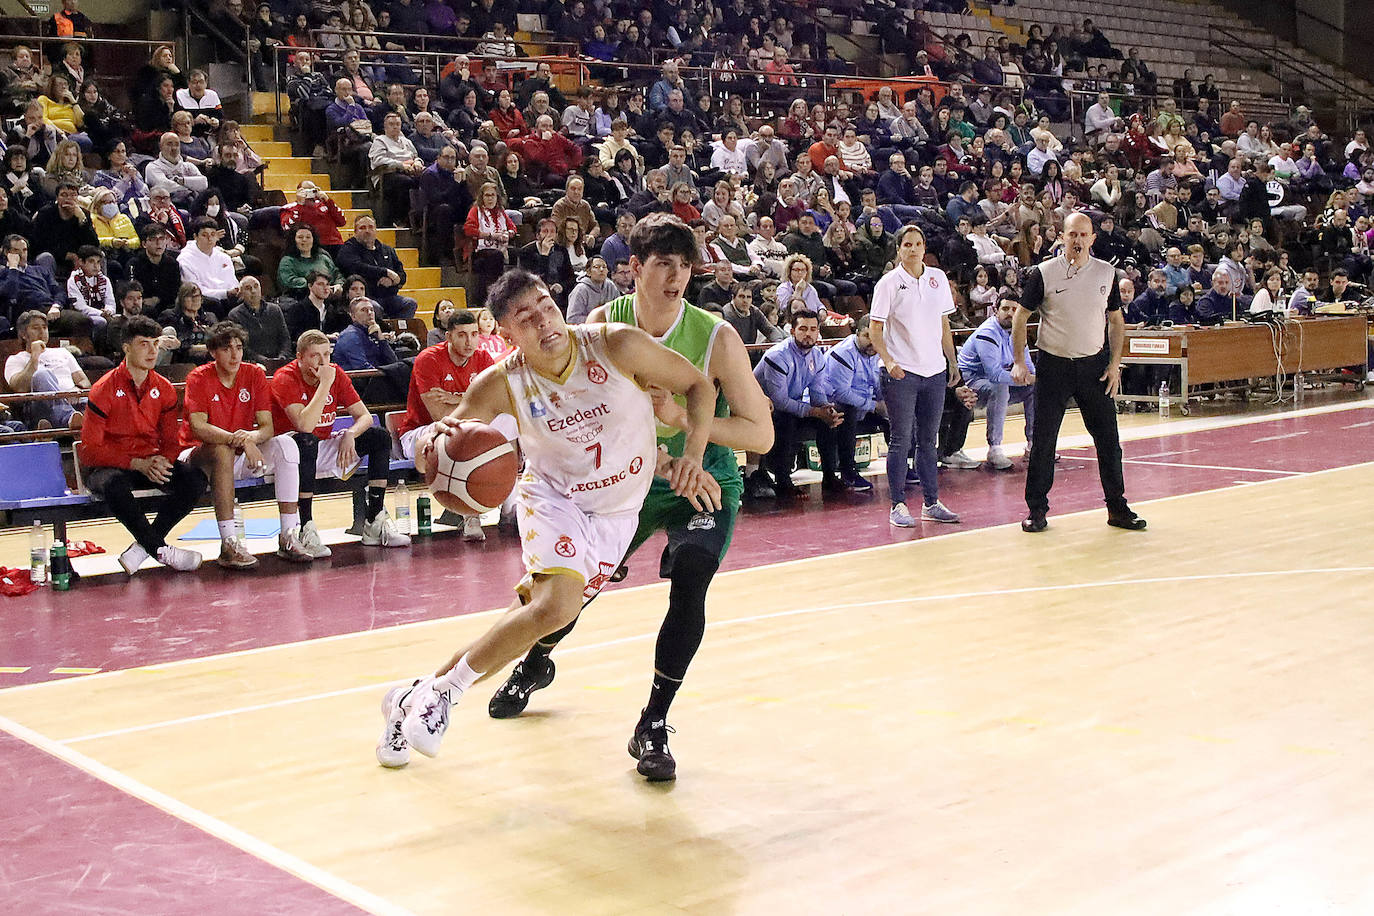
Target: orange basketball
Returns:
[[473, 470]]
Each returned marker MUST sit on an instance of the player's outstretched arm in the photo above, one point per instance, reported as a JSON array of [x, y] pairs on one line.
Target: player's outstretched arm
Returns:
[[750, 424], [651, 365], [486, 398]]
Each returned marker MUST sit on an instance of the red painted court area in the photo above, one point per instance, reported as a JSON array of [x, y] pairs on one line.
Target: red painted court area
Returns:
[[73, 843], [111, 623]]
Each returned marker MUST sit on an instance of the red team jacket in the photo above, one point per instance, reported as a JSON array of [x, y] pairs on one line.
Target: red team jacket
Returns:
[[126, 422]]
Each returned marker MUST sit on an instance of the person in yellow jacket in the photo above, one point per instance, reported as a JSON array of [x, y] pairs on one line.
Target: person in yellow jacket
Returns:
[[61, 111], [113, 228]]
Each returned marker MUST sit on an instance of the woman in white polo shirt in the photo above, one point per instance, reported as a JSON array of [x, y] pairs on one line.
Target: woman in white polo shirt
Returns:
[[910, 313]]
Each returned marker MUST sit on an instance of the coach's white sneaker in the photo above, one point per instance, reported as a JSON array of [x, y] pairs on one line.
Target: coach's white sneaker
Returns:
[[427, 718], [179, 558], [392, 748], [998, 458], [382, 532], [959, 461], [132, 558], [290, 547], [472, 529], [311, 543]]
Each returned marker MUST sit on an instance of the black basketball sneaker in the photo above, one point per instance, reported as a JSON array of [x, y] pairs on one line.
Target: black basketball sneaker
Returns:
[[649, 745], [514, 695]]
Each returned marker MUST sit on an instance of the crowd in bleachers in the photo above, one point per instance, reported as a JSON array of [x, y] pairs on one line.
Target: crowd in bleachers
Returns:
[[724, 115]]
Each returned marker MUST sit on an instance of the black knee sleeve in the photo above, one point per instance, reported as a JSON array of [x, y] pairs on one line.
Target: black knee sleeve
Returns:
[[683, 628], [375, 443], [309, 448]]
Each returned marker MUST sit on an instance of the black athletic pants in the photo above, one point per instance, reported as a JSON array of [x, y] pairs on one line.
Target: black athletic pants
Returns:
[[1057, 379], [788, 431], [117, 486], [374, 445]]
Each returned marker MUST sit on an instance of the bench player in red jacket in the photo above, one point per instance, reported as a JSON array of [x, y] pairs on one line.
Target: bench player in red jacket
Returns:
[[129, 442]]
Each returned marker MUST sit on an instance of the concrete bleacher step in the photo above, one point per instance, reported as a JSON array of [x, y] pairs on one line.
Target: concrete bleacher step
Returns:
[[255, 133], [287, 181], [285, 162], [428, 297], [424, 277], [273, 149], [385, 235], [410, 257]]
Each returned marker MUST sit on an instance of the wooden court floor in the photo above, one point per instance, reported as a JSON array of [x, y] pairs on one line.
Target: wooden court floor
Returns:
[[1082, 722]]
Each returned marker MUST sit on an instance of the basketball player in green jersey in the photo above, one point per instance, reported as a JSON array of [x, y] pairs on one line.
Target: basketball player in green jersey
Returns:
[[663, 252]]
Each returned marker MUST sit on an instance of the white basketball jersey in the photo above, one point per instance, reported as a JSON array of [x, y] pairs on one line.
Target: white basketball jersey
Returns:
[[590, 434]]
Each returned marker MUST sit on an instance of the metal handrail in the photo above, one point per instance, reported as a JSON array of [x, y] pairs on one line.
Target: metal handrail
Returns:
[[1346, 95], [449, 40], [203, 22], [701, 76]]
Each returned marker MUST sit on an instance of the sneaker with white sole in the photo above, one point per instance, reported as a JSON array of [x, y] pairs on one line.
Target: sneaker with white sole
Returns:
[[472, 529], [900, 516], [393, 750], [290, 547], [936, 512], [132, 558], [311, 543], [427, 718], [236, 555], [959, 461], [382, 532], [179, 558], [998, 458]]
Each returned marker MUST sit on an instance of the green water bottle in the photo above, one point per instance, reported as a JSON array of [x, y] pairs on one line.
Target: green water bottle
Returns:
[[422, 513], [61, 567]]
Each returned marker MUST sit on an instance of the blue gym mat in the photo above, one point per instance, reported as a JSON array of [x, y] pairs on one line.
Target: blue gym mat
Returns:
[[208, 530]]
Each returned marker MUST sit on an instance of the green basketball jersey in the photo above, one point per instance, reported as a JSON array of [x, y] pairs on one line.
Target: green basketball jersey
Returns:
[[692, 335]]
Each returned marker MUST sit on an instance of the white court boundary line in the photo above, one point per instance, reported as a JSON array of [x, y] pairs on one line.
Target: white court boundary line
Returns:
[[781, 564], [753, 618], [311, 874]]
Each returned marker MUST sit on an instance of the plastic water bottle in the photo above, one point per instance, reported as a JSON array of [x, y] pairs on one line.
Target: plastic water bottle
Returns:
[[61, 567], [1297, 390], [403, 508], [423, 516], [38, 555], [240, 526], [1164, 400]]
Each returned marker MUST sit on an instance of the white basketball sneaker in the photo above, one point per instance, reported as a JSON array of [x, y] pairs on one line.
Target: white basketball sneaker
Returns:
[[132, 558], [472, 529], [311, 543], [291, 547], [382, 532], [427, 719], [179, 558], [392, 748]]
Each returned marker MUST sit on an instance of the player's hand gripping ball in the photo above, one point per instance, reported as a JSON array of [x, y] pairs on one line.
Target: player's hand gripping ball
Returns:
[[469, 470]]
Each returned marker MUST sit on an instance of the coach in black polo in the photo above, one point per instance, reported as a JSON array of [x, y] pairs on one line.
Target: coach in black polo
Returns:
[[1080, 340]]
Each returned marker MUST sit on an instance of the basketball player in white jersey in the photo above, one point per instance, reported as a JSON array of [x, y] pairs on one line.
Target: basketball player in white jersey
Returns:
[[586, 427]]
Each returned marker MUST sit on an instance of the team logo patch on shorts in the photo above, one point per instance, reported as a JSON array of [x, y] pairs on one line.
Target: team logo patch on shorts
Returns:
[[635, 464], [596, 373], [565, 547], [702, 521]]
